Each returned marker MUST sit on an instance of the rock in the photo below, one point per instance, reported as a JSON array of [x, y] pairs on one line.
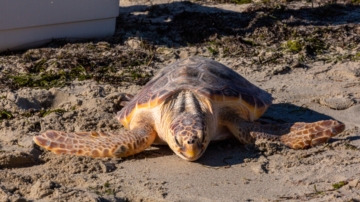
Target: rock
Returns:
[[184, 54], [134, 43], [337, 103], [44, 97], [261, 165], [353, 183], [258, 169], [4, 194], [41, 189], [68, 115], [79, 102], [11, 96], [268, 147]]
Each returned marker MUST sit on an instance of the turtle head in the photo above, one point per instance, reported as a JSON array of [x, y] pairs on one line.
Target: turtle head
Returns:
[[189, 137]]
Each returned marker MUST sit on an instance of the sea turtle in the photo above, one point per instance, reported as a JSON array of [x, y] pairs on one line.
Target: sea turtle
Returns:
[[186, 105]]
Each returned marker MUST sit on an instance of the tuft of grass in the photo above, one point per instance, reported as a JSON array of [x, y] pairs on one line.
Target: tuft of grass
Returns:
[[315, 45], [135, 73], [51, 79], [107, 184], [356, 56], [39, 66], [249, 42], [317, 191], [293, 46], [213, 46], [241, 1], [44, 113], [79, 73], [46, 80], [107, 69], [5, 114], [101, 190], [339, 184], [109, 191], [213, 51], [350, 146]]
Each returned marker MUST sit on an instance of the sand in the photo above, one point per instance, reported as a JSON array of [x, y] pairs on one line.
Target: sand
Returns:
[[317, 88]]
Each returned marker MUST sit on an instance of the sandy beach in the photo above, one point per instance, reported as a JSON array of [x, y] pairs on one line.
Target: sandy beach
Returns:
[[306, 55]]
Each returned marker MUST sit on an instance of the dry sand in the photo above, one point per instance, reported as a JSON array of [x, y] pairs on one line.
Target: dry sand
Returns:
[[313, 89]]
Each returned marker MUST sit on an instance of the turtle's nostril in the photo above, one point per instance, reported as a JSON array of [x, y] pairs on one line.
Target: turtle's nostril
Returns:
[[192, 141]]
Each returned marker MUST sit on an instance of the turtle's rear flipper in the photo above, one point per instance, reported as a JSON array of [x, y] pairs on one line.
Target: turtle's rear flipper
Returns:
[[299, 135], [97, 144]]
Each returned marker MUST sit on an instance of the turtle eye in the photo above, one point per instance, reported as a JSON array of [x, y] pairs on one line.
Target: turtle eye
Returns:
[[203, 136], [177, 142]]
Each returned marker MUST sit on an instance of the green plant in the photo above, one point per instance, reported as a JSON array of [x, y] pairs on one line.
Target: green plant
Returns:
[[241, 1], [314, 45], [356, 56], [107, 184], [50, 79], [213, 51], [5, 114], [248, 42], [339, 184], [44, 113], [294, 46]]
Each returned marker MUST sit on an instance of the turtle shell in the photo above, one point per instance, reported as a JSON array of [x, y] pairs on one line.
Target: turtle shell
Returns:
[[203, 76]]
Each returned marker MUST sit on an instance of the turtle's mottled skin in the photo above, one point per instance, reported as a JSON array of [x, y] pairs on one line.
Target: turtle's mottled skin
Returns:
[[186, 105]]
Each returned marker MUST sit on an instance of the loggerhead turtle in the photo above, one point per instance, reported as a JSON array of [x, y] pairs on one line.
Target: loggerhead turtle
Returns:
[[186, 105]]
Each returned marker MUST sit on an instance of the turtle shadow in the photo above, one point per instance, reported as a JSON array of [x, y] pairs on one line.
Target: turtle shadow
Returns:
[[226, 153], [218, 154], [231, 152], [353, 138], [154, 151], [290, 113]]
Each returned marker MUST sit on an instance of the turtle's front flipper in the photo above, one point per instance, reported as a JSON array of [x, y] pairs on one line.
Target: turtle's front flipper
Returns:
[[97, 144], [125, 99], [299, 135]]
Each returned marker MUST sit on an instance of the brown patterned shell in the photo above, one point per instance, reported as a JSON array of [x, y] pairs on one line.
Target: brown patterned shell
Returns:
[[203, 76]]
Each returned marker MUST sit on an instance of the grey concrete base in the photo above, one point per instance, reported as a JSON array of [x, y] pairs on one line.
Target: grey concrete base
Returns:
[[27, 24], [17, 39]]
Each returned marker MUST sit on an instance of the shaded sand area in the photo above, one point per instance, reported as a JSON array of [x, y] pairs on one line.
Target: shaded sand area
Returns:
[[307, 56]]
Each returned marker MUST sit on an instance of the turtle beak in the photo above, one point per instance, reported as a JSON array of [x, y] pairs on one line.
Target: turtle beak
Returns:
[[191, 152]]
